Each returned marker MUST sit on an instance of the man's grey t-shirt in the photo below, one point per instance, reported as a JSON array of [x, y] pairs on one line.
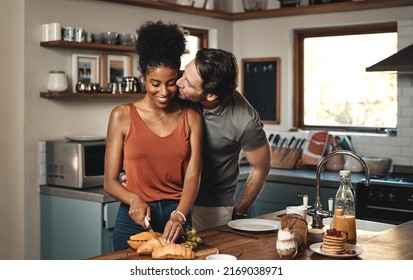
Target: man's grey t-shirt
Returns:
[[233, 125]]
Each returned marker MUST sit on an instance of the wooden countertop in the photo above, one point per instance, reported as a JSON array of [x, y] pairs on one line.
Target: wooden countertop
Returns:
[[391, 244]]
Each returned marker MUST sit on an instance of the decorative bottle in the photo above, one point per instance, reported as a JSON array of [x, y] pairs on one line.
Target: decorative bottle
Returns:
[[345, 201]]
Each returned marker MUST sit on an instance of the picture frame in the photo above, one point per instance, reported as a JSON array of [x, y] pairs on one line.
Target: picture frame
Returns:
[[85, 69], [261, 86], [115, 67]]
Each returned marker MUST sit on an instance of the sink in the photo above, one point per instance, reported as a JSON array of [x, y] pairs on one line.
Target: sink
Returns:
[[362, 224]]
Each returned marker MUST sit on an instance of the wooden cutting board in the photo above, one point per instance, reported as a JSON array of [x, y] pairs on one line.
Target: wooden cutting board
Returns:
[[201, 252]]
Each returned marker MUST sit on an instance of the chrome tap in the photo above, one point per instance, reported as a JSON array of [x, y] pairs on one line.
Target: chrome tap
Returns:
[[317, 211]]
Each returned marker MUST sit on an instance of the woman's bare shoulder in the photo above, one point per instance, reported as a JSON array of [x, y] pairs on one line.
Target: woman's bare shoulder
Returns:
[[194, 116], [120, 112]]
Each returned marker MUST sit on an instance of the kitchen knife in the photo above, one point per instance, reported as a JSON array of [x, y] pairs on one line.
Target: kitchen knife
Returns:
[[288, 149], [275, 141], [148, 225], [299, 144], [270, 137], [282, 144]]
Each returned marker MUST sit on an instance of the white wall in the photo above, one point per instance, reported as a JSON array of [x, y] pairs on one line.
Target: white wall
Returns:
[[12, 169], [25, 118]]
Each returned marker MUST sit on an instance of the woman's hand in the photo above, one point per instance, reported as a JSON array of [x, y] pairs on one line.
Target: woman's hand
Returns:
[[173, 229], [138, 209]]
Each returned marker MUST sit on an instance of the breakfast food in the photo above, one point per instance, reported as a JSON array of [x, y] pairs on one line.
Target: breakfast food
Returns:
[[286, 244], [163, 250], [333, 241], [151, 245], [135, 241], [173, 251], [297, 224]]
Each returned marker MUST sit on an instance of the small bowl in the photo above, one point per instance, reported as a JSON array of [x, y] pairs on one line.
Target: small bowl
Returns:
[[377, 165], [97, 38], [110, 37], [254, 5], [125, 39], [315, 235], [220, 257]]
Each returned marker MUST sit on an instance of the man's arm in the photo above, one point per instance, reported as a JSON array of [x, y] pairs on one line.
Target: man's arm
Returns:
[[260, 161]]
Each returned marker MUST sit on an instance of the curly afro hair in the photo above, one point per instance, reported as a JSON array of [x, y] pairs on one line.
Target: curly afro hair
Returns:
[[160, 44]]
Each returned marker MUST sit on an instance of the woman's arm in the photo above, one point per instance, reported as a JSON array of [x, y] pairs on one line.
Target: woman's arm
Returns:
[[173, 228], [118, 128]]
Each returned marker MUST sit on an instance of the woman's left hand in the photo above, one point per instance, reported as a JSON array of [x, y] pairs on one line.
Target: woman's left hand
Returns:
[[173, 230]]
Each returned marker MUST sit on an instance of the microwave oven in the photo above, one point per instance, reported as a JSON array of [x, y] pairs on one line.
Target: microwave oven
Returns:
[[75, 164]]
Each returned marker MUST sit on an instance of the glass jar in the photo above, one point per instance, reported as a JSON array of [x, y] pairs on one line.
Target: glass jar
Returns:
[[57, 81], [286, 244]]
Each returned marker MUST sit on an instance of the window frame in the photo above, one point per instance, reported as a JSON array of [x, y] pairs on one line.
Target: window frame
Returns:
[[202, 35], [298, 68]]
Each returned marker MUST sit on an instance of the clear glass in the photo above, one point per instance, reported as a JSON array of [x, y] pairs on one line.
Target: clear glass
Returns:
[[286, 244], [344, 196]]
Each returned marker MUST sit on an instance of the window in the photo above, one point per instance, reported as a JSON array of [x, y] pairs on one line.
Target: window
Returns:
[[332, 89], [197, 39]]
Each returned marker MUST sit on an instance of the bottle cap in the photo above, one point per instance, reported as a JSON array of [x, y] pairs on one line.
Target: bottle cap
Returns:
[[339, 212]]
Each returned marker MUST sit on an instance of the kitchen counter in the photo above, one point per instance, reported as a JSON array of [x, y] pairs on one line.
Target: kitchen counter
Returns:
[[96, 194], [296, 176], [391, 244]]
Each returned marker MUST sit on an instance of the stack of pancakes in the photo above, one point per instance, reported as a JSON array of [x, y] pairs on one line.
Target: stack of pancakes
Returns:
[[333, 242]]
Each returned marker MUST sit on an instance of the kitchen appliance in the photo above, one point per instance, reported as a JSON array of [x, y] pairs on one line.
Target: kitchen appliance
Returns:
[[389, 198], [75, 164]]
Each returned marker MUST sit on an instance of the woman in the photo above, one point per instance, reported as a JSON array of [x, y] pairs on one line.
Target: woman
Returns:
[[157, 141]]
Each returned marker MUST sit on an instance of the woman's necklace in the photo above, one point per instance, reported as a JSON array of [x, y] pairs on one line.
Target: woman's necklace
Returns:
[[158, 119]]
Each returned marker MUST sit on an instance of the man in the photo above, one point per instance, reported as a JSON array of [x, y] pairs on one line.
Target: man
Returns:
[[231, 124]]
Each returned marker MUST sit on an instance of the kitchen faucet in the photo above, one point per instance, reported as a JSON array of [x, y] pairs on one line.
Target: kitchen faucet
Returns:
[[317, 212]]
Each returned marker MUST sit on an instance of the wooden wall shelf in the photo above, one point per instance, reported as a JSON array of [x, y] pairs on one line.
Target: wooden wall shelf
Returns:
[[281, 12], [89, 95], [88, 46]]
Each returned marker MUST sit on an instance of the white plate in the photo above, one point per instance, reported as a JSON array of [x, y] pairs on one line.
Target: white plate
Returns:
[[85, 138], [254, 224], [316, 248]]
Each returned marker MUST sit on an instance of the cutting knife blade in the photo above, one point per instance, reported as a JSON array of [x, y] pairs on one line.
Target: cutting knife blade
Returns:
[[148, 225]]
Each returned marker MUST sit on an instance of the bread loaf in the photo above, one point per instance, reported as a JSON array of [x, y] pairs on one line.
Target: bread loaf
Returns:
[[135, 241], [148, 247], [297, 224], [173, 251]]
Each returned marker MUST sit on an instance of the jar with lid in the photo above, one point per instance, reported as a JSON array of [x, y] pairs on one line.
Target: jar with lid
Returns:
[[57, 81], [345, 200]]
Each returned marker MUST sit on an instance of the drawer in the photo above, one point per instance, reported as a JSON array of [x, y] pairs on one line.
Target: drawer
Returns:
[[110, 210]]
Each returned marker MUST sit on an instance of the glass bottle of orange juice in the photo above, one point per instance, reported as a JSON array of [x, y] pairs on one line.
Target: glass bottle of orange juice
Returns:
[[345, 201], [339, 222]]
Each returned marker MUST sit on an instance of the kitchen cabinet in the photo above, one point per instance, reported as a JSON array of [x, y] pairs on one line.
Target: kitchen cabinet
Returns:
[[281, 12], [88, 46], [276, 196], [73, 229]]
